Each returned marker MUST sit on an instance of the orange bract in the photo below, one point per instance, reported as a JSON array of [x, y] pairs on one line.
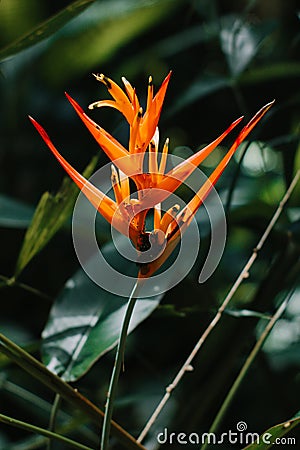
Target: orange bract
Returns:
[[153, 185]]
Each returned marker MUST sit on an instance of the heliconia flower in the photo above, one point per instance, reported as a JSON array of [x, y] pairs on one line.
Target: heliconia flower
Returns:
[[142, 125], [126, 214]]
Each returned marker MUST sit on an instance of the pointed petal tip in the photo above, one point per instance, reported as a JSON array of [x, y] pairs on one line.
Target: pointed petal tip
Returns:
[[36, 125], [271, 102], [266, 107], [167, 79], [237, 121], [258, 116], [71, 100], [69, 97], [39, 128], [75, 105]]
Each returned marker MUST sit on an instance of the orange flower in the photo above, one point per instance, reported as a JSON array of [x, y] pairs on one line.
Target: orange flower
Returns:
[[126, 214]]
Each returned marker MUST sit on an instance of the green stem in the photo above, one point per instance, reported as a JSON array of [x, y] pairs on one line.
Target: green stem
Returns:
[[56, 384], [42, 431], [53, 416], [117, 367], [9, 282], [234, 388], [42, 407], [235, 177]]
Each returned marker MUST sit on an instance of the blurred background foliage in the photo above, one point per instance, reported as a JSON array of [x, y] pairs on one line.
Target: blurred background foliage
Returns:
[[228, 59]]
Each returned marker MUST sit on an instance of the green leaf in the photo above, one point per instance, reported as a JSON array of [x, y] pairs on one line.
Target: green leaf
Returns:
[[46, 28], [274, 435], [275, 71], [85, 320], [96, 40], [240, 41], [50, 215], [14, 214], [183, 40], [201, 87]]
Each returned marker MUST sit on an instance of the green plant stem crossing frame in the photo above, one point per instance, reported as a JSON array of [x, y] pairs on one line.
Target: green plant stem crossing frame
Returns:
[[56, 384]]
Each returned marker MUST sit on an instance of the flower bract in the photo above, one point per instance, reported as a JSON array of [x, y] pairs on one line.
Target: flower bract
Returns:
[[153, 184]]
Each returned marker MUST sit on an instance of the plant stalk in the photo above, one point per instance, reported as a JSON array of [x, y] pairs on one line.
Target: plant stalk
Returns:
[[56, 384], [53, 416], [117, 367], [34, 429], [234, 388]]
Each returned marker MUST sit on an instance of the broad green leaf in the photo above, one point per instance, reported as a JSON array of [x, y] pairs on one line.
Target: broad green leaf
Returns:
[[17, 17], [85, 320], [50, 214], [97, 41], [183, 40], [46, 28], [275, 436], [14, 214], [199, 88], [240, 41], [275, 71]]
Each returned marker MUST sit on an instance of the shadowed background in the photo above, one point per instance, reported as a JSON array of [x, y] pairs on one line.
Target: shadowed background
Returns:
[[228, 59]]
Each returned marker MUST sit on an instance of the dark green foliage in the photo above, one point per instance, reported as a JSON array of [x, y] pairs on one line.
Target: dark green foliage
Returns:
[[228, 59]]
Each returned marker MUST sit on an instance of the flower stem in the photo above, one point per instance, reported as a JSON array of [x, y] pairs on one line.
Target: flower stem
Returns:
[[56, 384], [117, 367], [10, 282], [42, 431], [53, 416]]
